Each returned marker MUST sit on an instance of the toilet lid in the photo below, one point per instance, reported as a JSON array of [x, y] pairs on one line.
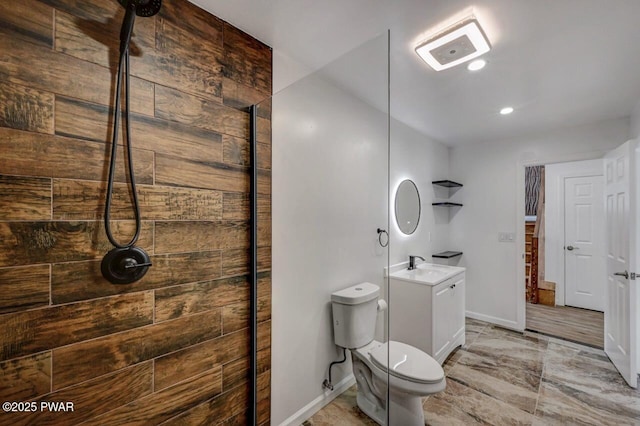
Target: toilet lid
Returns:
[[407, 362]]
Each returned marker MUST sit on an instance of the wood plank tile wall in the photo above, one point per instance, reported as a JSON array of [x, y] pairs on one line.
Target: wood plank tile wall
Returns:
[[174, 346]]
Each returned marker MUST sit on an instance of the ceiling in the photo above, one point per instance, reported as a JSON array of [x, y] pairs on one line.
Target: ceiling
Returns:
[[557, 62]]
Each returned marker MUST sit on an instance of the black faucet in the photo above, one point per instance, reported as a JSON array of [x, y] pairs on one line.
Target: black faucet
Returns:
[[412, 262]]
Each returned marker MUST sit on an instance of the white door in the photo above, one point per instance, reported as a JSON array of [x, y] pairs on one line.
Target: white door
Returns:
[[620, 319], [585, 266]]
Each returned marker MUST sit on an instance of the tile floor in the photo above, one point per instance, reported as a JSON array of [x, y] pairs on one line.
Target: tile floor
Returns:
[[501, 377]]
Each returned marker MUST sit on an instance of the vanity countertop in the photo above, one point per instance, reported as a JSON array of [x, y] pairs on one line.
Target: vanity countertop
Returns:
[[425, 273]]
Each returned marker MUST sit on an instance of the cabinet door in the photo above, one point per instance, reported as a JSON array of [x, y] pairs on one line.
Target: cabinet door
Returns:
[[457, 307], [442, 317]]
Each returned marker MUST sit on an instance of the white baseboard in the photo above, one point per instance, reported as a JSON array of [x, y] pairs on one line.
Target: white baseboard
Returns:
[[316, 405], [513, 325]]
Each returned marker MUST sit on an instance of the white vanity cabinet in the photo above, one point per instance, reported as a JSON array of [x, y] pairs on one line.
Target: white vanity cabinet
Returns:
[[430, 317]]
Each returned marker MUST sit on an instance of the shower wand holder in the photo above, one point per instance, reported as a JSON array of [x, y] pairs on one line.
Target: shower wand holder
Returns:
[[125, 265]]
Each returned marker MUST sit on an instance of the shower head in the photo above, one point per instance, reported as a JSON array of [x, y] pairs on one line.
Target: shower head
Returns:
[[144, 8]]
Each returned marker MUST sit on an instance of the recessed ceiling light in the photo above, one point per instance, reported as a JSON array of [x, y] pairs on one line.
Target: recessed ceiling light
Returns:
[[459, 43], [506, 110], [476, 65]]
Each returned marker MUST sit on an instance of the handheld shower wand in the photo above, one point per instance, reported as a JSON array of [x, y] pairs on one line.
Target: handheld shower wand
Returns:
[[144, 8], [126, 263]]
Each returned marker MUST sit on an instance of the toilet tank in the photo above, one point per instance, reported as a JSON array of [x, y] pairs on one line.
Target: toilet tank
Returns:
[[354, 315]]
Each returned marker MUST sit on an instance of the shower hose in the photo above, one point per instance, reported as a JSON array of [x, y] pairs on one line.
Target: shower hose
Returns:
[[123, 67]]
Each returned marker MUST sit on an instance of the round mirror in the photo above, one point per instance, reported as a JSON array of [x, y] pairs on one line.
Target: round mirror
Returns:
[[407, 207]]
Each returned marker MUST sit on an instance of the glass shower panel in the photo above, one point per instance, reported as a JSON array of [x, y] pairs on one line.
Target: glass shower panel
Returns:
[[328, 197], [426, 285]]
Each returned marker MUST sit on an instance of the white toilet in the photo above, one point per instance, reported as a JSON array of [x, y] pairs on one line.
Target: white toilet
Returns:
[[410, 373]]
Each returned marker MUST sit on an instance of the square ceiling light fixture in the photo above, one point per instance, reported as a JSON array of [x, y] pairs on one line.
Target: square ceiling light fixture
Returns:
[[455, 45]]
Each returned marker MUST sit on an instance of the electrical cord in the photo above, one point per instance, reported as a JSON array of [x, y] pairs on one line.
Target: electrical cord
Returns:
[[123, 63]]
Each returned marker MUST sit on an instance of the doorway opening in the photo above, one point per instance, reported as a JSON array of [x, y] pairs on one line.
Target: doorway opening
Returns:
[[565, 251]]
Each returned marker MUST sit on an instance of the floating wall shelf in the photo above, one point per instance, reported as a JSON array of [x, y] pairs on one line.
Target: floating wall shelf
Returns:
[[447, 204], [447, 254], [447, 183]]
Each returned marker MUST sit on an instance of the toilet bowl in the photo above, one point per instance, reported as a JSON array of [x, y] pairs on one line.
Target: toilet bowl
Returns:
[[406, 371]]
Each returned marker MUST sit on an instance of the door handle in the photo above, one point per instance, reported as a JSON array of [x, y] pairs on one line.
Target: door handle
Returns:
[[571, 248], [622, 274]]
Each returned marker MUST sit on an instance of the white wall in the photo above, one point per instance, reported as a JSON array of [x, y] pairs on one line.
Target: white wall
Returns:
[[416, 157], [490, 173], [555, 175], [635, 122], [330, 159]]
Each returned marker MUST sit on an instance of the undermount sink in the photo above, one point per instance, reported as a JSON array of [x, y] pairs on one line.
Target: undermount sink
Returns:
[[425, 273]]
